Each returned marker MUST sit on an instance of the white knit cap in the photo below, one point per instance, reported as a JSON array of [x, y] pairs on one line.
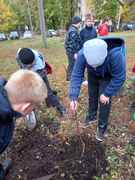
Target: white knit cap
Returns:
[[95, 52]]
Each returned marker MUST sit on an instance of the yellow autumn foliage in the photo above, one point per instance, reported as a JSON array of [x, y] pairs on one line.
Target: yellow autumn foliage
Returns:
[[7, 18]]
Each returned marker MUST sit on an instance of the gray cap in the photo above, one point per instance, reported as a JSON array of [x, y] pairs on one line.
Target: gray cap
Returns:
[[95, 52]]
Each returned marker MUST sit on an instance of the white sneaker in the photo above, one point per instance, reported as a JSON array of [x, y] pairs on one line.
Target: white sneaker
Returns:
[[85, 83], [31, 120]]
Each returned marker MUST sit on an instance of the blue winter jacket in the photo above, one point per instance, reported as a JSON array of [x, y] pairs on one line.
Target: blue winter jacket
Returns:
[[113, 69]]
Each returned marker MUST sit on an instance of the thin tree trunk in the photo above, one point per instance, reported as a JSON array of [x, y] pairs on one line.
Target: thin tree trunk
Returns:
[[42, 22], [119, 19], [29, 14]]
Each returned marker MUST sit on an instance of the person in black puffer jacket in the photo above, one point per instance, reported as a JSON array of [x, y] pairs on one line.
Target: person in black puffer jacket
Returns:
[[72, 44]]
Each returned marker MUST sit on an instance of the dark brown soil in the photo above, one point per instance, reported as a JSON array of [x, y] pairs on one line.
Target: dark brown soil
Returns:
[[35, 155]]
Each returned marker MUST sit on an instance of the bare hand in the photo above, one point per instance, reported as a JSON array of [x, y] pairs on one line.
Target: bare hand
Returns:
[[73, 106], [104, 99]]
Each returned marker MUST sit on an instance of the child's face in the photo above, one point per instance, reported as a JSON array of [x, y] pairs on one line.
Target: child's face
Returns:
[[89, 22]]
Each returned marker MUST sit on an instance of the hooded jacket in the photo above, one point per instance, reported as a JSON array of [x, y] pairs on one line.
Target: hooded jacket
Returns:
[[113, 69], [38, 63]]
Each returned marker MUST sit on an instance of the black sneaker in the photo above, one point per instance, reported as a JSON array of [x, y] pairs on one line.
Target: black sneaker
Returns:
[[62, 110], [100, 135], [88, 121]]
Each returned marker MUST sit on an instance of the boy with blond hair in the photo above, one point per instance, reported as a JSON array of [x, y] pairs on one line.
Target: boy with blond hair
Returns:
[[18, 97]]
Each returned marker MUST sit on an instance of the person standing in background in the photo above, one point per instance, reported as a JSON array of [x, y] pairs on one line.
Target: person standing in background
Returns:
[[103, 28], [72, 44], [110, 25], [89, 31]]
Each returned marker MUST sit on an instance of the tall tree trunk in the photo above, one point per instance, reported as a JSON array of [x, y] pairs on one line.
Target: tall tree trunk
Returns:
[[119, 19], [29, 14], [42, 22], [83, 9]]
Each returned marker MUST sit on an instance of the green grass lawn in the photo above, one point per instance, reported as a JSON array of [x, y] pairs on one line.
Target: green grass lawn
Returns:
[[55, 52]]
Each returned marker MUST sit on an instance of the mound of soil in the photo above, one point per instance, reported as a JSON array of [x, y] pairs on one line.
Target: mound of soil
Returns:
[[35, 155]]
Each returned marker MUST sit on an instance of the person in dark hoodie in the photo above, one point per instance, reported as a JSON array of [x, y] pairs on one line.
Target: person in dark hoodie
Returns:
[[18, 97], [89, 31], [72, 44], [105, 62]]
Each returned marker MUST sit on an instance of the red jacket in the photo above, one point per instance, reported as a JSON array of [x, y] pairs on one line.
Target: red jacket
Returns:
[[103, 30]]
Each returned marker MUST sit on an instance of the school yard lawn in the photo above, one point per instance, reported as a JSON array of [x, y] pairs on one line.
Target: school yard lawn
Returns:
[[54, 148]]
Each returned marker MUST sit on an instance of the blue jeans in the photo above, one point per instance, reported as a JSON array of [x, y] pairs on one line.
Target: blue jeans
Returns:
[[96, 87]]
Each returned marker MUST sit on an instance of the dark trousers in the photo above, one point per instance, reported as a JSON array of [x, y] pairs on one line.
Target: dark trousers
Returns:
[[96, 87], [2, 173], [6, 132], [52, 98], [71, 62]]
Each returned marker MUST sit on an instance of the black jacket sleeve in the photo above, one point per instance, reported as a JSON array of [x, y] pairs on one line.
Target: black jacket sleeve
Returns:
[[5, 115]]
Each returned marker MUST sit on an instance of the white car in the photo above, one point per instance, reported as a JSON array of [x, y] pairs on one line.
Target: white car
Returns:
[[27, 34], [2, 37], [52, 32], [14, 35]]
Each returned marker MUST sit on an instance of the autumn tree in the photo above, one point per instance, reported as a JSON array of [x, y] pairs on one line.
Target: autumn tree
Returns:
[[7, 18], [125, 8], [125, 11], [105, 8]]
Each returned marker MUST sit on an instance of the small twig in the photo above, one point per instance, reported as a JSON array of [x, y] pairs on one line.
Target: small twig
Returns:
[[78, 131]]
